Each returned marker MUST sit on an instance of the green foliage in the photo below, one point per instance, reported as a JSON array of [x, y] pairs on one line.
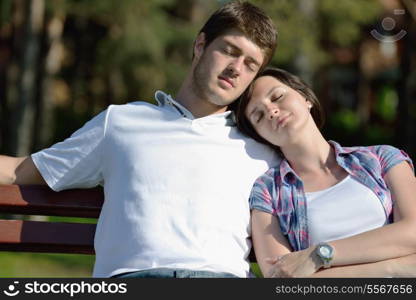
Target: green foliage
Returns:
[[346, 120], [378, 134], [346, 17], [297, 32], [304, 25], [387, 103], [5, 11]]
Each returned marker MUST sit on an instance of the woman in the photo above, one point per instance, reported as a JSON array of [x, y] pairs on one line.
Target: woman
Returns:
[[325, 210]]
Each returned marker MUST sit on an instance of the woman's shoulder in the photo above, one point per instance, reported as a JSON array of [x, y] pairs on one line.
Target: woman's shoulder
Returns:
[[379, 150], [270, 174], [269, 177], [377, 156]]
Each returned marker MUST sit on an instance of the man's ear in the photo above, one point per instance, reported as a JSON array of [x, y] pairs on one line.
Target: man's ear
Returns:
[[199, 45]]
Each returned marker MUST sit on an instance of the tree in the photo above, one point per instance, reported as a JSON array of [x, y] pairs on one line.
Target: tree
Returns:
[[33, 15]]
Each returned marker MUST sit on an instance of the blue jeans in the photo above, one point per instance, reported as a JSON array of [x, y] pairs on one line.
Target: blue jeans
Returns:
[[174, 273]]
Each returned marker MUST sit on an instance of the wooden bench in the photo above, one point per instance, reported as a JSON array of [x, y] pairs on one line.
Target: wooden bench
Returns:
[[53, 237], [44, 236]]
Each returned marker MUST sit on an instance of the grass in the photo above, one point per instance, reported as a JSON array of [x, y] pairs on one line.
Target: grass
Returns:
[[255, 269], [45, 265], [16, 264]]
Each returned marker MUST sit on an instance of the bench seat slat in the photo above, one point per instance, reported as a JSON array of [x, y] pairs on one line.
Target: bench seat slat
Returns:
[[34, 236]]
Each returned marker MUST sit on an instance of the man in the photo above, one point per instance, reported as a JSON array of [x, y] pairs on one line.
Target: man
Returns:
[[176, 176]]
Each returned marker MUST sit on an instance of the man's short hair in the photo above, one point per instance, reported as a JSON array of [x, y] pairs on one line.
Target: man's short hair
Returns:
[[247, 18]]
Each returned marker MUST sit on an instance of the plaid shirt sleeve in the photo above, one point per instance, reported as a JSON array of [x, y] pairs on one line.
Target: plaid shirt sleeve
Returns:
[[390, 156], [261, 197]]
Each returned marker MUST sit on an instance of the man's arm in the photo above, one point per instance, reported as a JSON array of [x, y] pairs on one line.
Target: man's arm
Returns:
[[19, 170]]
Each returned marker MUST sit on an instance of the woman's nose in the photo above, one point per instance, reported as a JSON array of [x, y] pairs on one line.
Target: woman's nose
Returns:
[[273, 112]]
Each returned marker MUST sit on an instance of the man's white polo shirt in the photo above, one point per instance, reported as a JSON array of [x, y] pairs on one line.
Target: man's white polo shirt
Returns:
[[176, 188]]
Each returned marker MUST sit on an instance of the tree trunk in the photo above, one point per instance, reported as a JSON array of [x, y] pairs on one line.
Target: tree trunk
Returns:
[[52, 65], [303, 61], [22, 126], [12, 72]]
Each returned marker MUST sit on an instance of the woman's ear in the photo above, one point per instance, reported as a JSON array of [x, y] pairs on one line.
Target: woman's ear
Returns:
[[199, 45], [309, 103]]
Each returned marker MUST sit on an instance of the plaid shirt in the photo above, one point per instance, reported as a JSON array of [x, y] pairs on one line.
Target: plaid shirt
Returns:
[[280, 191]]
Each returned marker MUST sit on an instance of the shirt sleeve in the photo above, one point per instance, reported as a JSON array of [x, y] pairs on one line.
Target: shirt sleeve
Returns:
[[390, 156], [77, 161], [261, 197]]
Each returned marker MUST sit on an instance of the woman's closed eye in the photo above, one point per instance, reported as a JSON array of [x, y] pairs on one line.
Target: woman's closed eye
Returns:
[[259, 117], [277, 98]]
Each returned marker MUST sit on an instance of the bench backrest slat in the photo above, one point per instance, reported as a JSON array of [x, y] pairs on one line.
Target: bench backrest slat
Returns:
[[41, 200]]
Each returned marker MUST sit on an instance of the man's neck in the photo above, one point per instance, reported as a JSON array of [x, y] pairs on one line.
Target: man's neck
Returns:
[[196, 105]]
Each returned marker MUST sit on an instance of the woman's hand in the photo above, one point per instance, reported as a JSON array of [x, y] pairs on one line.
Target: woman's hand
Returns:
[[295, 264]]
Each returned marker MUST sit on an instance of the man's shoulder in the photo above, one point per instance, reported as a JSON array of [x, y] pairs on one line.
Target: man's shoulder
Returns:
[[135, 105], [132, 109]]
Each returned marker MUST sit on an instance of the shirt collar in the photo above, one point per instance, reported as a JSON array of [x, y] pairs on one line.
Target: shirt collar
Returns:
[[339, 150], [166, 101], [288, 175]]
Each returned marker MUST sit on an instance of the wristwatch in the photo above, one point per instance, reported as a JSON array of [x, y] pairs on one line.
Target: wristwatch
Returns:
[[326, 253]]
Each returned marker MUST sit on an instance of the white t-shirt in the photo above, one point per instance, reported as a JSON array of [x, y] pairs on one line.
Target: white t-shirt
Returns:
[[176, 188], [333, 214]]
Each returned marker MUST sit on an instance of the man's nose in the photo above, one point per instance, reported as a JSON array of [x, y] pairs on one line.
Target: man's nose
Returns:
[[236, 66]]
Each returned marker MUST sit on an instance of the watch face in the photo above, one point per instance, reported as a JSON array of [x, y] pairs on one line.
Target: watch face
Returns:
[[325, 251]]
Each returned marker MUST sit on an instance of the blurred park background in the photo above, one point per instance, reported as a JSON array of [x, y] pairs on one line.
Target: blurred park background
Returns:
[[62, 62]]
